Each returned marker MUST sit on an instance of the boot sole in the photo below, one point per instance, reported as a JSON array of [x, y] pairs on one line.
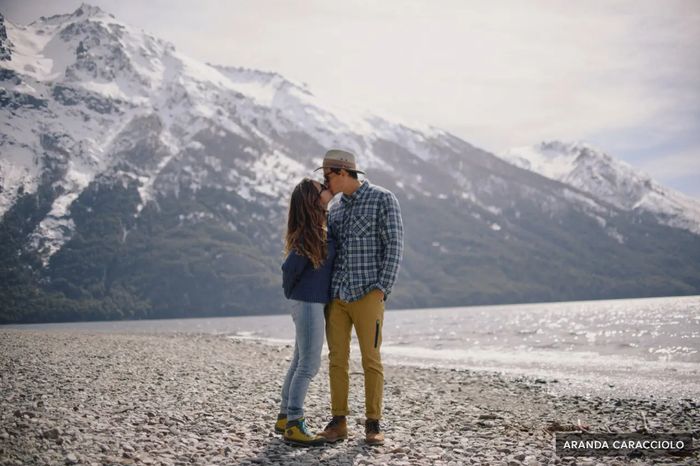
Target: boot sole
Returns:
[[336, 440], [295, 443]]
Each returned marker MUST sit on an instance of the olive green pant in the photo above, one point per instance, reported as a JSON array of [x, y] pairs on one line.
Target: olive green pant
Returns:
[[367, 316]]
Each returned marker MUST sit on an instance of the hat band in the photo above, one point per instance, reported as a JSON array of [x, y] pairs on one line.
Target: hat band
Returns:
[[339, 164]]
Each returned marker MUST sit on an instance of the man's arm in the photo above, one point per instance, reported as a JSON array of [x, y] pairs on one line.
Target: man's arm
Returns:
[[391, 234]]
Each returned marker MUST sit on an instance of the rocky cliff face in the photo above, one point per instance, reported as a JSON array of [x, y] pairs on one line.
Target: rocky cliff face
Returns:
[[138, 182]]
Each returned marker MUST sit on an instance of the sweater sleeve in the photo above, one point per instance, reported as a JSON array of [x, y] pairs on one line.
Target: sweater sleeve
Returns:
[[292, 268]]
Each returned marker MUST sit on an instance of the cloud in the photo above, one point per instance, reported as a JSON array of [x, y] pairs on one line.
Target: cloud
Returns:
[[680, 171], [675, 165]]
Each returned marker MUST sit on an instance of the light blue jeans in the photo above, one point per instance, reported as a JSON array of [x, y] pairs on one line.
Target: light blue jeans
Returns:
[[310, 327]]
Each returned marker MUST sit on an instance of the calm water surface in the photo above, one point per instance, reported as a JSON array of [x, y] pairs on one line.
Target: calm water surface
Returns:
[[644, 347]]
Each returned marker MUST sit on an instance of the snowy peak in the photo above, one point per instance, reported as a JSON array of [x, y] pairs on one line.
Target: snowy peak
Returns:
[[585, 168], [84, 11], [239, 75], [90, 48], [266, 88], [295, 109], [89, 11], [608, 179], [555, 159]]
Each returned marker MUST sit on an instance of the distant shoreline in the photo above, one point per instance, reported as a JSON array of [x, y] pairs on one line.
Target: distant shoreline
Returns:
[[77, 397]]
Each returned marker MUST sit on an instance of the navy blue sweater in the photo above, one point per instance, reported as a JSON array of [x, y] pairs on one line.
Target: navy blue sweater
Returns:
[[302, 282]]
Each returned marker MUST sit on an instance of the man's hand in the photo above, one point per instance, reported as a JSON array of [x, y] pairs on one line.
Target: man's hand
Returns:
[[379, 293]]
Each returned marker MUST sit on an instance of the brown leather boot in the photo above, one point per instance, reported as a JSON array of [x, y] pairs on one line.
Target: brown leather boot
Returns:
[[373, 433], [336, 430]]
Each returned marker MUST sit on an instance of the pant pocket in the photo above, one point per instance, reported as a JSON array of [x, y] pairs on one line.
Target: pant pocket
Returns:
[[376, 333]]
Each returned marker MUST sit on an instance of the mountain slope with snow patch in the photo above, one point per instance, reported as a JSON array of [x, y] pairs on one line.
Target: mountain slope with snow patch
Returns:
[[608, 179]]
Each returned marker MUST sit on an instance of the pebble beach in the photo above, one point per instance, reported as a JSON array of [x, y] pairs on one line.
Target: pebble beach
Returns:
[[193, 399]]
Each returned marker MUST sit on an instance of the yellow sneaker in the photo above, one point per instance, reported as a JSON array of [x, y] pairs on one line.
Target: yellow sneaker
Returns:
[[296, 434], [281, 423]]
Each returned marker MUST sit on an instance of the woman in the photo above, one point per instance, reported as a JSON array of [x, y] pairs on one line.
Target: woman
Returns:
[[306, 280]]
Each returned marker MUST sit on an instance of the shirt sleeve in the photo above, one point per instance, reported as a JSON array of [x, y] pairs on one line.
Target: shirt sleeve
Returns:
[[391, 234]]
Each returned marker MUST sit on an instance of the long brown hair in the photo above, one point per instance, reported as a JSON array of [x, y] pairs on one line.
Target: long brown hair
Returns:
[[306, 233]]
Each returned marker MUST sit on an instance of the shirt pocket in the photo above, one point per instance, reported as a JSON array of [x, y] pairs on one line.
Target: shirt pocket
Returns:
[[361, 226]]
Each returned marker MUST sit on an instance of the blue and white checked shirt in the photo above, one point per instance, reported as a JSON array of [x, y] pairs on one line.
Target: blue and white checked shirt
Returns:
[[369, 241]]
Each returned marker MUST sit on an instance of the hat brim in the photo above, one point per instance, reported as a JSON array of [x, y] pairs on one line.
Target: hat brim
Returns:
[[341, 168]]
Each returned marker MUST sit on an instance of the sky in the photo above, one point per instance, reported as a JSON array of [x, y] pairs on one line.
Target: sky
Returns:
[[620, 75]]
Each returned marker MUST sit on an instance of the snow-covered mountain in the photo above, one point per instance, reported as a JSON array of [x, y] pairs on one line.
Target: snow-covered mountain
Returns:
[[86, 81], [608, 179], [141, 182]]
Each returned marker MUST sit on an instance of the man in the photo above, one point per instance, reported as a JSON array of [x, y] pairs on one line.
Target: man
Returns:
[[367, 226]]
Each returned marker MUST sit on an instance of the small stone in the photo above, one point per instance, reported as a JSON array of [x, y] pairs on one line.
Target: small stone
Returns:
[[51, 434], [71, 458]]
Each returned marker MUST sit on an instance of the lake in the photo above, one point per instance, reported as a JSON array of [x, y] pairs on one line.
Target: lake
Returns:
[[641, 347]]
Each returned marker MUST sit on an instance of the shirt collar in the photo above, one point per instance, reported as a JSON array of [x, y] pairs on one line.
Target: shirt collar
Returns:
[[357, 194]]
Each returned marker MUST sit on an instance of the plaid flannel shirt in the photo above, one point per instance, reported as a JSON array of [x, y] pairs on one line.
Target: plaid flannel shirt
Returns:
[[368, 230]]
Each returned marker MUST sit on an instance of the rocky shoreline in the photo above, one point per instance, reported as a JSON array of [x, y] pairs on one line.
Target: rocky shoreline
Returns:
[[184, 399]]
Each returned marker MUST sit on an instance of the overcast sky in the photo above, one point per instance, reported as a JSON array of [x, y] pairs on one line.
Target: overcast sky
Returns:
[[623, 76]]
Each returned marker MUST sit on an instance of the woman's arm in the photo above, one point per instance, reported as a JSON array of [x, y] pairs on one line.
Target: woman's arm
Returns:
[[292, 268]]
